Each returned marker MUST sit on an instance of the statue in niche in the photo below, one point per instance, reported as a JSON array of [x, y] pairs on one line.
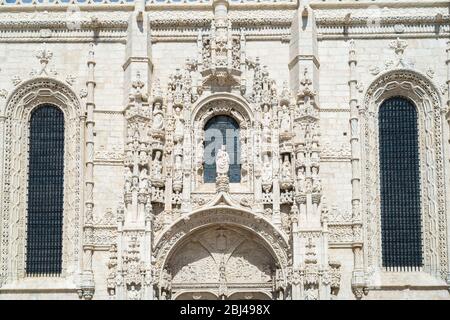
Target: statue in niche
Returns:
[[285, 123], [178, 168], [165, 284], [178, 149], [301, 180], [179, 125], [199, 156], [316, 183], [222, 161], [158, 118], [129, 157], [267, 170], [286, 173], [128, 179], [279, 283], [133, 293], [143, 180], [266, 119], [307, 131], [136, 136], [142, 157], [157, 166]]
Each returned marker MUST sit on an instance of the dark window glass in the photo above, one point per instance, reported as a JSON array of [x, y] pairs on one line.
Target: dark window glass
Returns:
[[400, 185], [222, 130], [45, 192]]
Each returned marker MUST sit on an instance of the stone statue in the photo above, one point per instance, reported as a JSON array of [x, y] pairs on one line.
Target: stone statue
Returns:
[[285, 124], [316, 183], [222, 161], [267, 170], [165, 283], [178, 169], [266, 119], [133, 293], [143, 180], [128, 179], [286, 173], [142, 157], [179, 125], [157, 166], [301, 180], [158, 119]]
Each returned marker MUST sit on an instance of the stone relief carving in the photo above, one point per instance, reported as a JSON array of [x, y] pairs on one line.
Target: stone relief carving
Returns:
[[398, 46], [223, 257]]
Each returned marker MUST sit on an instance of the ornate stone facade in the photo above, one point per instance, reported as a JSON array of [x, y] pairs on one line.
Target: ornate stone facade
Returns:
[[139, 81]]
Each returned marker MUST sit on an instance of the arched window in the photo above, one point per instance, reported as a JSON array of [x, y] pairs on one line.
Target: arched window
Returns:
[[45, 192], [400, 185], [222, 130]]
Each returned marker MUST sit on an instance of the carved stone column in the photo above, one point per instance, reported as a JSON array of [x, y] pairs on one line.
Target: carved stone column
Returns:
[[259, 207], [87, 278], [276, 217], [186, 205], [358, 281], [2, 157], [169, 156], [447, 62]]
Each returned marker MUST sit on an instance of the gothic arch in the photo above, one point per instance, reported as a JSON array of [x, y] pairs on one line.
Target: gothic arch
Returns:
[[266, 234], [423, 94], [20, 104]]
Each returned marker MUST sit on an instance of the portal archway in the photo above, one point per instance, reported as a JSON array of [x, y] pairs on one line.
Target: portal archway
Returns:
[[223, 261]]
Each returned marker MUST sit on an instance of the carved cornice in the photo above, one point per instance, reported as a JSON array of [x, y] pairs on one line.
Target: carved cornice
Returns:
[[61, 20], [150, 4], [202, 19], [363, 4], [374, 18], [392, 20]]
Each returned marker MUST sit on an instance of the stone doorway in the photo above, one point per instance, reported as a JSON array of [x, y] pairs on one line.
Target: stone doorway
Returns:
[[222, 262]]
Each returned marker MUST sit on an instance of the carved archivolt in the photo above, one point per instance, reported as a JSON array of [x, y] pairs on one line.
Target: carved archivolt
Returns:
[[423, 94], [201, 256], [222, 104], [262, 230], [21, 102]]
